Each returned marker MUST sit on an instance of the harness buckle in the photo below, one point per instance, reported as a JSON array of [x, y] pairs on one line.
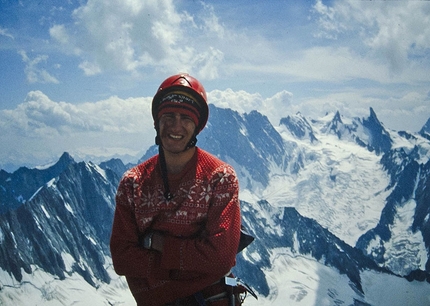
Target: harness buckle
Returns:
[[230, 281]]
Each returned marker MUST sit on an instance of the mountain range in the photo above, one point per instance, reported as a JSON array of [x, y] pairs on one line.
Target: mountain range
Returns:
[[339, 207]]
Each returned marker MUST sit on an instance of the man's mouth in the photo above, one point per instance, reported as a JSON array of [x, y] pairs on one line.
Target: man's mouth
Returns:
[[176, 137]]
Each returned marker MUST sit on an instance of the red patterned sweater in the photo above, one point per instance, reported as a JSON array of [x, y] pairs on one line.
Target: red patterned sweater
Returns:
[[201, 226]]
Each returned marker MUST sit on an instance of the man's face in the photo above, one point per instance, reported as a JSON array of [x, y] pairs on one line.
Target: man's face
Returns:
[[176, 130]]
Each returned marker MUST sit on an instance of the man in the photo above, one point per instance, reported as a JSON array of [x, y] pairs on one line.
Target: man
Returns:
[[177, 221]]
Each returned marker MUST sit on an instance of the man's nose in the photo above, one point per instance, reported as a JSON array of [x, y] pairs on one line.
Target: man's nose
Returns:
[[177, 121]]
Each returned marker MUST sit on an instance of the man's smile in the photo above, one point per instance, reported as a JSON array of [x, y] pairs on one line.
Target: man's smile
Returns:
[[176, 137]]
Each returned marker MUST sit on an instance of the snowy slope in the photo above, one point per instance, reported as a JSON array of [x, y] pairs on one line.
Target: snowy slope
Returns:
[[298, 280], [42, 289], [342, 185]]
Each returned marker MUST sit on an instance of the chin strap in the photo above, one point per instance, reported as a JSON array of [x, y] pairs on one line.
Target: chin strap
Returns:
[[192, 143]]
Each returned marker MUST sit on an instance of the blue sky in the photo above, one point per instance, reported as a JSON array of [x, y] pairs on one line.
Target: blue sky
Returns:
[[78, 76]]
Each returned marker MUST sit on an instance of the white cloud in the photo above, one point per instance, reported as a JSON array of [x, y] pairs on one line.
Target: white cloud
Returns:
[[111, 115], [382, 41], [408, 112], [5, 32], [378, 40], [330, 26], [211, 23], [34, 73], [90, 68], [275, 107], [240, 101], [134, 35], [39, 129], [44, 128], [207, 62], [59, 33], [397, 32], [331, 64], [278, 106], [398, 111]]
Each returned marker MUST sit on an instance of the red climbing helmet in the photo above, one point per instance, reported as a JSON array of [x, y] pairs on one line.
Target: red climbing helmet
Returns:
[[182, 85]]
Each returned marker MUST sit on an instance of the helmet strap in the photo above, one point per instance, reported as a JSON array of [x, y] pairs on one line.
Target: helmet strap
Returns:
[[167, 194], [191, 143]]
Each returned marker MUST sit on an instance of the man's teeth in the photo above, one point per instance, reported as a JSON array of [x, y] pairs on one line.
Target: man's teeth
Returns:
[[175, 136]]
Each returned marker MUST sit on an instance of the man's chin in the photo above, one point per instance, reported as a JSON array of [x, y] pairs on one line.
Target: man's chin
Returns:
[[174, 149], [177, 152]]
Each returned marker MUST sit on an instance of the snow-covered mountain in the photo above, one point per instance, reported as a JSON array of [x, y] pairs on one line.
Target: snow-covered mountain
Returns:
[[340, 209]]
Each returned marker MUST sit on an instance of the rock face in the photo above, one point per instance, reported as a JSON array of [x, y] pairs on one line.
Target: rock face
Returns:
[[68, 218]]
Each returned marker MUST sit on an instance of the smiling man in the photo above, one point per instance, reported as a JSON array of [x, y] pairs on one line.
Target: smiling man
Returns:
[[177, 221]]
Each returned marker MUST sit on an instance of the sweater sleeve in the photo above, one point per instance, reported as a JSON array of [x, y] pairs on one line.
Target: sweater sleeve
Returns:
[[127, 256], [213, 252]]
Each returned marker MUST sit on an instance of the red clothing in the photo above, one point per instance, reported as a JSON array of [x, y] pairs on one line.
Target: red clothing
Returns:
[[201, 227]]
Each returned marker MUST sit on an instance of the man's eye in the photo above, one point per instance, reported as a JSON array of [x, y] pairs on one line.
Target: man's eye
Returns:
[[167, 116], [184, 117]]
